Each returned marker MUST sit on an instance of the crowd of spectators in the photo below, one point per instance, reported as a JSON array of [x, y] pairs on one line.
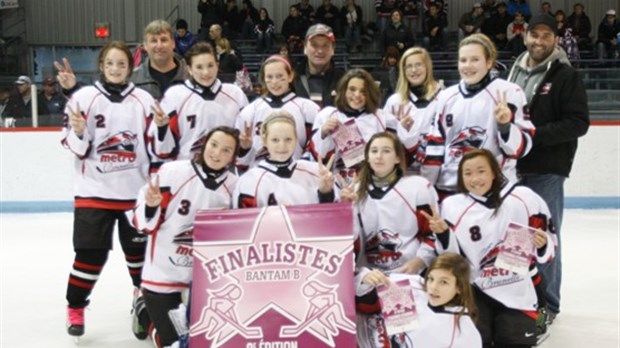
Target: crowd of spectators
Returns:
[[223, 23]]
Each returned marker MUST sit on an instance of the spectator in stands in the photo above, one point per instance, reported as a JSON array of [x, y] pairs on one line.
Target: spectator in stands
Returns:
[[5, 93], [215, 33], [264, 31], [160, 70], [316, 74], [50, 95], [285, 52], [384, 10], [183, 39], [558, 108], [329, 15], [293, 29], [209, 14], [582, 27], [608, 36], [521, 6], [249, 17], [435, 23], [386, 73], [20, 103], [396, 33], [231, 19], [229, 63], [560, 21], [409, 9], [515, 33], [545, 8], [471, 22], [489, 8], [353, 24], [495, 27], [306, 10]]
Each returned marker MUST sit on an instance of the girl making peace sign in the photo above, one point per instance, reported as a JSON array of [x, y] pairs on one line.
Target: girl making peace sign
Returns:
[[279, 178], [166, 210], [481, 111], [276, 76]]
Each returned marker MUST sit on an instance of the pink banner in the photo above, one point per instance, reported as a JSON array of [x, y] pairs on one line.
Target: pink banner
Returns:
[[274, 277]]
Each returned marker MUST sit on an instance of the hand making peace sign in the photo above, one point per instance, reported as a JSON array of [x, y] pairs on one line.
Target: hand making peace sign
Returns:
[[347, 193], [66, 77], [435, 222], [153, 196], [76, 120], [502, 111], [246, 137], [161, 119], [326, 177]]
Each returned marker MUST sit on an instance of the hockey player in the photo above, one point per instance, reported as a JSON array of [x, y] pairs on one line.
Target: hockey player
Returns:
[[166, 210], [276, 77], [481, 111], [393, 235], [416, 93], [189, 111], [279, 178], [105, 127], [474, 223], [445, 309], [351, 123]]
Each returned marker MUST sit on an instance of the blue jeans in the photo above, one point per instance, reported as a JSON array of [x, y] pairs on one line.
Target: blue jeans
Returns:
[[551, 188], [353, 36]]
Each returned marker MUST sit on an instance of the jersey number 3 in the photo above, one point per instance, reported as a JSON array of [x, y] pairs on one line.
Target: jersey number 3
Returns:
[[184, 207]]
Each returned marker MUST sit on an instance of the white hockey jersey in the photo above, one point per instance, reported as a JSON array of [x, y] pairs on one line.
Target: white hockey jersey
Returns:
[[438, 327], [393, 230], [465, 121], [367, 123], [111, 156], [293, 183], [421, 111], [477, 234], [186, 187], [193, 112], [303, 111]]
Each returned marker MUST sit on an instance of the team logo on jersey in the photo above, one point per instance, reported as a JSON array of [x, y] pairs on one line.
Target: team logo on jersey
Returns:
[[383, 247], [122, 144], [183, 256], [118, 152], [468, 139]]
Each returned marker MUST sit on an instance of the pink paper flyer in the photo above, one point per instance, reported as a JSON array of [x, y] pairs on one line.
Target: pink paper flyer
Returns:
[[274, 277]]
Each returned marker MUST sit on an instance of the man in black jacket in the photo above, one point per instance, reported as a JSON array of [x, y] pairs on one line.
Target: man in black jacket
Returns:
[[316, 74], [558, 108]]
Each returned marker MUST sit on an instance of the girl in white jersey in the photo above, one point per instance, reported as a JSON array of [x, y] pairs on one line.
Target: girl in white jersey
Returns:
[[105, 128], [445, 308], [276, 76], [481, 111], [474, 223], [416, 95], [279, 178], [344, 130], [189, 111], [166, 209], [393, 235]]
